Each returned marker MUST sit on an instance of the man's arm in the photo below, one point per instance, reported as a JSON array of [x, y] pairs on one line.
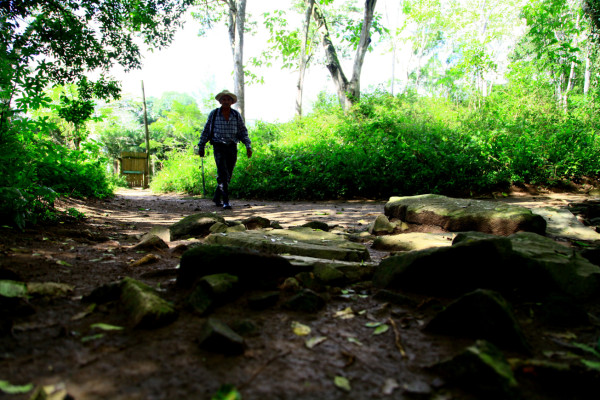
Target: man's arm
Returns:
[[243, 134], [205, 135]]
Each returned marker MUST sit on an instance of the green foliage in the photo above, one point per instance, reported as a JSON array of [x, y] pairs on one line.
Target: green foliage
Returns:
[[49, 48], [408, 145], [181, 172]]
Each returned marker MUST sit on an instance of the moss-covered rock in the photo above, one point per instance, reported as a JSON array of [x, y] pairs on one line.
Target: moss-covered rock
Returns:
[[144, 307], [460, 215]]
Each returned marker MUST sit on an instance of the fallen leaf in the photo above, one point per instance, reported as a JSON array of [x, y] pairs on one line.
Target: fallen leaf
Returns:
[[13, 289], [312, 342], [342, 383], [92, 337], [300, 329], [84, 313], [373, 324], [355, 341], [346, 313], [227, 392], [592, 364], [562, 335], [147, 259], [381, 329], [63, 263], [9, 388], [106, 327]]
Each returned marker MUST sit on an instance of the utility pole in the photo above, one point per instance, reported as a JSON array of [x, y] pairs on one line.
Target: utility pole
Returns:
[[147, 175]]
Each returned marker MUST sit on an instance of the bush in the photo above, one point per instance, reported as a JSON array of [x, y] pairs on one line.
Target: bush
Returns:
[[406, 145], [34, 172]]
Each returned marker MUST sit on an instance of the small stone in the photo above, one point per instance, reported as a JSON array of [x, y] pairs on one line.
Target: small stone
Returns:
[[145, 308], [151, 242], [317, 225], [305, 301], [481, 314], [215, 336], [394, 298], [220, 285], [381, 226], [290, 285], [49, 289], [263, 301], [256, 222], [200, 300], [218, 227], [481, 368], [328, 274]]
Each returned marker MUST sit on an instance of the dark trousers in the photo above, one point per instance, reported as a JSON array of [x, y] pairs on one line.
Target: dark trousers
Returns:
[[225, 159]]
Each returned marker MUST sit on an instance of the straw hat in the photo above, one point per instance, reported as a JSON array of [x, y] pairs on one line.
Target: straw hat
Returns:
[[226, 93]]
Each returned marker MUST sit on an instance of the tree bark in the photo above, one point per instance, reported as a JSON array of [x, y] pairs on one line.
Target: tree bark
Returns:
[[303, 59], [237, 21], [348, 91]]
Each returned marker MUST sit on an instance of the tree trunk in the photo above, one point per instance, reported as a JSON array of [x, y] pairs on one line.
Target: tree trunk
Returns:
[[348, 91], [587, 75], [303, 60], [237, 21]]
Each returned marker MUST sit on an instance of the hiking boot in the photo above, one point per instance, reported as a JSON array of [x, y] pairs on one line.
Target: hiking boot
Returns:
[[226, 206]]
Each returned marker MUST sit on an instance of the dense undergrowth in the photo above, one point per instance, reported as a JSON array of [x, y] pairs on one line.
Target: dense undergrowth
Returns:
[[35, 171], [407, 145]]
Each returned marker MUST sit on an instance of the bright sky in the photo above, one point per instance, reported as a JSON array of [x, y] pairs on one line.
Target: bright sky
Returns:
[[200, 66]]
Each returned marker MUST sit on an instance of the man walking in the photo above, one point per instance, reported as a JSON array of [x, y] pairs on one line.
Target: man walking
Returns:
[[224, 129]]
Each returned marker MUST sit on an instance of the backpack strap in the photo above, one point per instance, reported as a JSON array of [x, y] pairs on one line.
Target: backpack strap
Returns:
[[212, 125]]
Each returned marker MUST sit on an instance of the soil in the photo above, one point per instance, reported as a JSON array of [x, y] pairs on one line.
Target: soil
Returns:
[[56, 344]]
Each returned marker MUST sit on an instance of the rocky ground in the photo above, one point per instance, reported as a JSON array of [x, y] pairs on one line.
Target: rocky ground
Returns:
[[57, 338]]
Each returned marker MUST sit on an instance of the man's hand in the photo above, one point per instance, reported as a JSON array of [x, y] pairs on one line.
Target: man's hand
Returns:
[[201, 152], [249, 152]]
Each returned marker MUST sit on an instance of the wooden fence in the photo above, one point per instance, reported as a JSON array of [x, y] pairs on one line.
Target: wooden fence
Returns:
[[135, 169]]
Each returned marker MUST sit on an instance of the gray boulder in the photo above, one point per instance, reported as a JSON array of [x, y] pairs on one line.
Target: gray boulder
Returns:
[[482, 314], [453, 270], [556, 266], [526, 261], [194, 225], [572, 273], [297, 241], [459, 215]]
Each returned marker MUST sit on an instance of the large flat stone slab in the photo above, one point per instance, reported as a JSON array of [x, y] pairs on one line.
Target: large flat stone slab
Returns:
[[412, 241], [562, 223], [298, 241], [461, 215]]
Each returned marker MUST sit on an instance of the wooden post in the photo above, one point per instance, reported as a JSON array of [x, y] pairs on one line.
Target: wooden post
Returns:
[[147, 174]]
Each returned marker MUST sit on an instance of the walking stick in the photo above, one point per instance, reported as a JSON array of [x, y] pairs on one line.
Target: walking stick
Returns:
[[203, 184]]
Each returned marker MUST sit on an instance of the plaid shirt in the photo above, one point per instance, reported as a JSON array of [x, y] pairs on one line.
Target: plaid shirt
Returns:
[[226, 132]]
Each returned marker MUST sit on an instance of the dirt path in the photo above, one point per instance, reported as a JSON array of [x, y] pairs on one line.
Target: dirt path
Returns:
[[57, 343]]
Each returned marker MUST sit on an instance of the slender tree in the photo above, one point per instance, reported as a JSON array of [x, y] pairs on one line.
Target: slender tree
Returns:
[[310, 4], [348, 91], [209, 12]]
